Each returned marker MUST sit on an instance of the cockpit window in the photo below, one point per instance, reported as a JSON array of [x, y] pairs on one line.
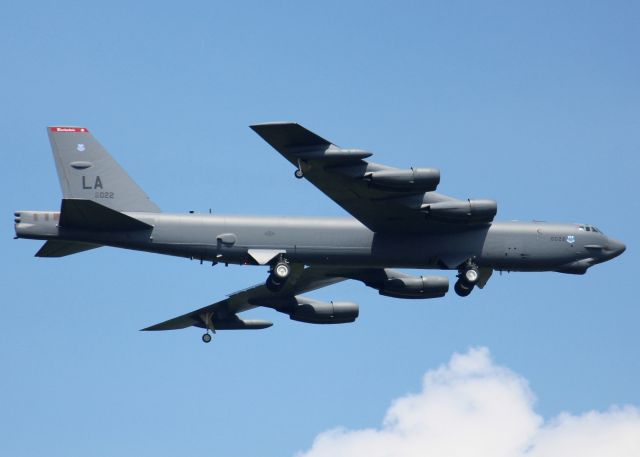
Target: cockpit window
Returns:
[[589, 228]]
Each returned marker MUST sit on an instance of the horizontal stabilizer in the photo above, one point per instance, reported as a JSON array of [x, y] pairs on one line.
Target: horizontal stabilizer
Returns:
[[87, 214], [54, 248]]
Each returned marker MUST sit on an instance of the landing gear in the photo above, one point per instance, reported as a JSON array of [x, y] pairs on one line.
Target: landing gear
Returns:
[[468, 276], [273, 285], [278, 275], [207, 320], [462, 289], [281, 270], [472, 275], [299, 173]]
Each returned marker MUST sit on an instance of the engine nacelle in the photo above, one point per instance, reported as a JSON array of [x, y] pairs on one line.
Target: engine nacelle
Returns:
[[319, 312], [460, 210], [418, 179], [415, 287]]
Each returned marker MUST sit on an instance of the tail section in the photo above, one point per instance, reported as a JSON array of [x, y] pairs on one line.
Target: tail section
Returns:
[[90, 215], [55, 248], [88, 172]]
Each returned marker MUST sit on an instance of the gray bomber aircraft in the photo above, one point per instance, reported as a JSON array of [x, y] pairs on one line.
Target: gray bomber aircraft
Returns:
[[399, 221]]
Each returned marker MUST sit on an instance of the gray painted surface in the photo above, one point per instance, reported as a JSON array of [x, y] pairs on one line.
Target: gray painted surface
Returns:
[[399, 222]]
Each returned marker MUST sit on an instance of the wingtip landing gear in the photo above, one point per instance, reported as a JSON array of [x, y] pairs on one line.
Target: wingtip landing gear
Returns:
[[207, 320], [299, 173]]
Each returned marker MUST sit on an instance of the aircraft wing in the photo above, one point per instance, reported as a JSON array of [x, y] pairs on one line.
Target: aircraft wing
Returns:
[[223, 314], [384, 199]]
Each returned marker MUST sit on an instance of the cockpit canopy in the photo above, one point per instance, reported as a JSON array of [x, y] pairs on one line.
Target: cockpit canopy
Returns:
[[589, 228]]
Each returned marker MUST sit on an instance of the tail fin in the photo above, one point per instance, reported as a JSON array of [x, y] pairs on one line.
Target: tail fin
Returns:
[[87, 171]]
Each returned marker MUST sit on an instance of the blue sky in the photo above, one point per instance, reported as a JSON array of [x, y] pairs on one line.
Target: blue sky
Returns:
[[536, 105]]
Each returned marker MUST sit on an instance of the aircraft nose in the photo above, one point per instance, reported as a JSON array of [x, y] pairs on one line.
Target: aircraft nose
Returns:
[[615, 248]]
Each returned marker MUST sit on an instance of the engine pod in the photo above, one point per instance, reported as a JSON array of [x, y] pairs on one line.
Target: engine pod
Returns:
[[413, 179], [415, 287], [471, 210], [319, 312]]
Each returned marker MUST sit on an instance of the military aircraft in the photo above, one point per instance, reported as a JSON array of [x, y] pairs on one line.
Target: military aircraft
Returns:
[[399, 221]]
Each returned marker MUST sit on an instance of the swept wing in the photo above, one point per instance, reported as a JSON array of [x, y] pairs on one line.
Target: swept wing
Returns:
[[385, 199], [222, 315]]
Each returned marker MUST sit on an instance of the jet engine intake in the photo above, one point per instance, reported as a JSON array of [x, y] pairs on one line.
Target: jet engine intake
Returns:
[[471, 210], [418, 179], [319, 312], [415, 287]]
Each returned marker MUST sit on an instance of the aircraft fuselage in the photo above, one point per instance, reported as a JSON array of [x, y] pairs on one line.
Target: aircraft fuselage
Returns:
[[512, 246]]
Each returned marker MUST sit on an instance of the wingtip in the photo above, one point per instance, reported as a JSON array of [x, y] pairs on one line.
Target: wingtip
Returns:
[[268, 124], [154, 328]]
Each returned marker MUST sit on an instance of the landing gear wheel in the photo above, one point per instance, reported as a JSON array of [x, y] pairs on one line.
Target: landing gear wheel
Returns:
[[299, 174], [206, 337], [462, 289], [281, 270], [471, 276], [278, 274], [273, 285]]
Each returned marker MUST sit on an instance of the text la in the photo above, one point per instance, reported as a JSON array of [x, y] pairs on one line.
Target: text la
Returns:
[[96, 185]]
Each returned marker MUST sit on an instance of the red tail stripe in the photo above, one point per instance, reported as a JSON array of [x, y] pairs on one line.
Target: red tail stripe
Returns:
[[69, 129]]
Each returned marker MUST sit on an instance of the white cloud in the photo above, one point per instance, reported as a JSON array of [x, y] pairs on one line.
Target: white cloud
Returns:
[[473, 407]]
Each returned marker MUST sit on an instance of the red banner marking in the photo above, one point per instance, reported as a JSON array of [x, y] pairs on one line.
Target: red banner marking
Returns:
[[69, 129]]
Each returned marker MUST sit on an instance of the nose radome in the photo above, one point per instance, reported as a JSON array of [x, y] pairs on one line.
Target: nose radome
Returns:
[[616, 247]]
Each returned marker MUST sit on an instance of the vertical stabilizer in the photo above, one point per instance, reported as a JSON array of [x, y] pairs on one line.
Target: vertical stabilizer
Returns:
[[87, 171]]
